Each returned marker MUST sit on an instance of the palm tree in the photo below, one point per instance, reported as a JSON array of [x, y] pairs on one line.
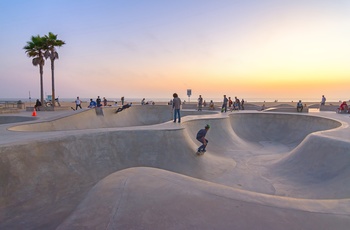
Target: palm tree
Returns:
[[50, 42], [34, 49]]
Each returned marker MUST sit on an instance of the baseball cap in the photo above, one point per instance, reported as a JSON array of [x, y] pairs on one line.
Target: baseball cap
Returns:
[[207, 126]]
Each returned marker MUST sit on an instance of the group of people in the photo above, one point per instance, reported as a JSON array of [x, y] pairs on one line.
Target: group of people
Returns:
[[343, 108], [235, 104], [176, 104], [97, 103], [202, 103], [227, 103], [93, 104], [143, 102], [300, 105]]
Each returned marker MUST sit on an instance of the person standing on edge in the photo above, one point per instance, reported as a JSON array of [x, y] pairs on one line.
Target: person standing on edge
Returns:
[[229, 102], [323, 100], [77, 103], [176, 107], [200, 103], [122, 99], [224, 104], [238, 103], [104, 101], [37, 105], [201, 138], [98, 101]]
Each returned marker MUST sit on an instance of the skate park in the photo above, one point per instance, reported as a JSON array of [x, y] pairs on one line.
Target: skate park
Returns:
[[138, 170]]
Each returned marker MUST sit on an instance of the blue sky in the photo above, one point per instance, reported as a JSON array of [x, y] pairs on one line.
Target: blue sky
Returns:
[[151, 49]]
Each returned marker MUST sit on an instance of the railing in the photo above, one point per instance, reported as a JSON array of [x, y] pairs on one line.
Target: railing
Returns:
[[11, 104]]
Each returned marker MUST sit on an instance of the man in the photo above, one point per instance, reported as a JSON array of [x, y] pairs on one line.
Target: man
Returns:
[[123, 107], [201, 138], [98, 101], [300, 106], [176, 107], [323, 100], [37, 105], [92, 104], [77, 103], [104, 101], [200, 103], [224, 104]]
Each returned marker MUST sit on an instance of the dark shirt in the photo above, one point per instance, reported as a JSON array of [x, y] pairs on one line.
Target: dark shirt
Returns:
[[126, 106], [98, 101], [38, 103], [201, 133]]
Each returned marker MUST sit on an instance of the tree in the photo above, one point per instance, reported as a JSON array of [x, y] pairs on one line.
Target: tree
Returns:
[[50, 44], [34, 49]]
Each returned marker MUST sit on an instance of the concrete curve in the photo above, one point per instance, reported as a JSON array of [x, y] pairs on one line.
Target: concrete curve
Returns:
[[57, 175], [88, 119], [139, 196]]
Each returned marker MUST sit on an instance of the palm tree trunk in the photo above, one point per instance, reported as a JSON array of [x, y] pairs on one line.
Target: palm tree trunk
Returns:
[[53, 82], [41, 84]]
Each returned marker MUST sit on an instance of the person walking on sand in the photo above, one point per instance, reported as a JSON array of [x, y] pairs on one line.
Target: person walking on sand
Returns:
[[224, 104], [176, 107], [201, 138], [77, 103]]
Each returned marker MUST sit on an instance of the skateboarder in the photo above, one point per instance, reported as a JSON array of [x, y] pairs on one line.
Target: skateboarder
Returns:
[[224, 104], [201, 138], [123, 107]]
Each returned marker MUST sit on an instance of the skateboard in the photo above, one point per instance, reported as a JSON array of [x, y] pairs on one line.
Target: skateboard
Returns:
[[199, 153]]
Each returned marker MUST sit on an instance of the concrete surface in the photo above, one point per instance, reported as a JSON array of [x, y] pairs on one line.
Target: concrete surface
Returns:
[[138, 170]]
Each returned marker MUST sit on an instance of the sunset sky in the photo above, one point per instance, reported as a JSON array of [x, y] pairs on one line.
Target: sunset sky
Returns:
[[153, 48]]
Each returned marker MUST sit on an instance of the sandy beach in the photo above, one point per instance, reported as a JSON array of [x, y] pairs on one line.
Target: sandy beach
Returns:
[[68, 105], [85, 104]]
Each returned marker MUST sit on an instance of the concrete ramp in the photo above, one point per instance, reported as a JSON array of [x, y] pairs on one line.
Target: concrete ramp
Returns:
[[317, 169], [107, 118], [287, 129], [145, 198], [261, 170]]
